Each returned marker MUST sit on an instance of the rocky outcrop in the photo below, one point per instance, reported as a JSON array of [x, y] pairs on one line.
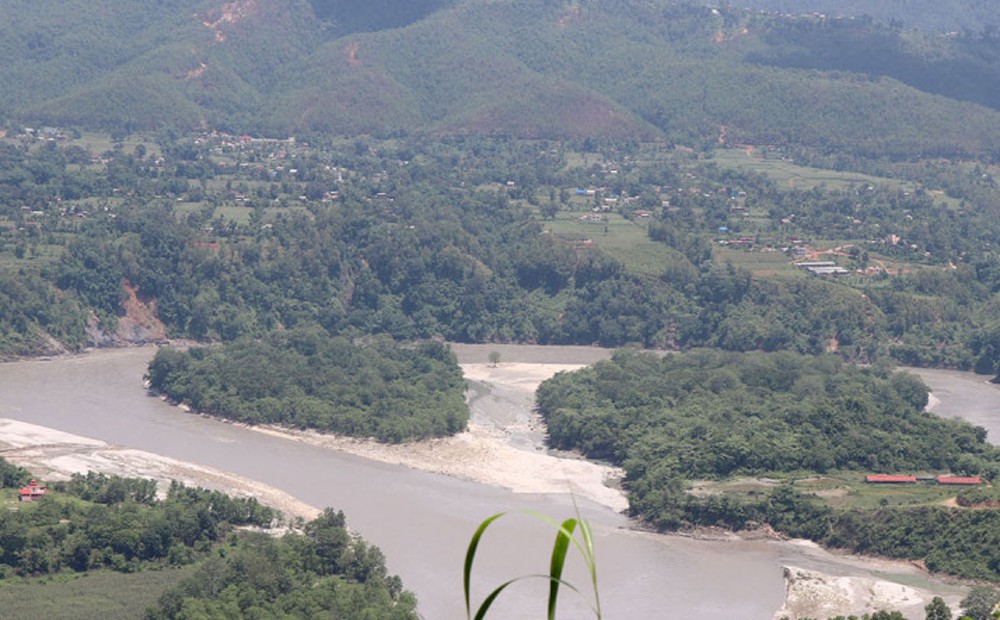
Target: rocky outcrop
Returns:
[[812, 594], [138, 325]]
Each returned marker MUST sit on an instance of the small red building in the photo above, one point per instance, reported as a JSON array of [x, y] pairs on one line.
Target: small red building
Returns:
[[963, 480], [890, 479], [32, 492]]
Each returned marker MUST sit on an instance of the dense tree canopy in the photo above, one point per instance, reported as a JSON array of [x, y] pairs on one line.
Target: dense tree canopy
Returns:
[[95, 521], [670, 420], [320, 572], [713, 414], [303, 378], [448, 238]]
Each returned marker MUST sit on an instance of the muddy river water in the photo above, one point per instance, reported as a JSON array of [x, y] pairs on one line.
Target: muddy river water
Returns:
[[423, 521]]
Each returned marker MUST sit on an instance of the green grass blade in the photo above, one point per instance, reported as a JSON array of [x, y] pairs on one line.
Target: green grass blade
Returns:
[[470, 556], [485, 607], [591, 558], [563, 537], [488, 601]]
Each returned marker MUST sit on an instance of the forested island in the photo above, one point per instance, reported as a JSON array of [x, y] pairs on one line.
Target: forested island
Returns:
[[304, 379], [687, 428]]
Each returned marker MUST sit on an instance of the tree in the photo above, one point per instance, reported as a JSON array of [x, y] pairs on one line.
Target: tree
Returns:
[[494, 358], [937, 610], [978, 604]]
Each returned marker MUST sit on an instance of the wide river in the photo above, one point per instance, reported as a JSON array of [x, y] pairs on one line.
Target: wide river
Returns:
[[423, 521]]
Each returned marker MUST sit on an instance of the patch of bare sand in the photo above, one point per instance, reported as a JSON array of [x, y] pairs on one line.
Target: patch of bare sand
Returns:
[[525, 376], [812, 594], [54, 455], [489, 460], [483, 453], [932, 401]]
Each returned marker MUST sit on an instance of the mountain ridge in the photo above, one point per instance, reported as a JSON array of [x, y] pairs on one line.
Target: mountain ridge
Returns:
[[628, 69]]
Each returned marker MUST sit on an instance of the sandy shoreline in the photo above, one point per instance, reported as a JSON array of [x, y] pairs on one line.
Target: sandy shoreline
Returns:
[[51, 454], [483, 453]]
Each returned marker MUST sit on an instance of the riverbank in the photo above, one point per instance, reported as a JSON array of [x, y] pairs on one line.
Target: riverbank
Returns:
[[501, 403], [51, 454]]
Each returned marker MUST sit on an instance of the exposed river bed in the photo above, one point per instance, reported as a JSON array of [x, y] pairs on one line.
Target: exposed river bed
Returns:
[[423, 519]]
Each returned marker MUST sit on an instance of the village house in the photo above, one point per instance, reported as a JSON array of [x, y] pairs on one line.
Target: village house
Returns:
[[32, 492]]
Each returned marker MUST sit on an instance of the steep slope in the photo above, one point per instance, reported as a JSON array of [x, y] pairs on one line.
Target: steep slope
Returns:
[[209, 64], [532, 68], [347, 16], [457, 71]]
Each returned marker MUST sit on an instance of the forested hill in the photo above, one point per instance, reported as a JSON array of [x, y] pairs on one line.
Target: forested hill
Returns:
[[537, 68]]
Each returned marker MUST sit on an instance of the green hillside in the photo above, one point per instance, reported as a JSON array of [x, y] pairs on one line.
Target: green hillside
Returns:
[[344, 16], [538, 69]]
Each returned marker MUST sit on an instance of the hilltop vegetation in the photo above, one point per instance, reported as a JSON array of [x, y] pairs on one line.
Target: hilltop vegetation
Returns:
[[683, 73], [960, 68], [347, 16]]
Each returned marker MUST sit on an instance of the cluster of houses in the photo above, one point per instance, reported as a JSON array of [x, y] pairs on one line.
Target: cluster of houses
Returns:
[[897, 479], [49, 134]]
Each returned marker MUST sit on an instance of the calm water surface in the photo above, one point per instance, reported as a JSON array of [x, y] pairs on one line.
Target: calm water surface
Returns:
[[965, 395], [423, 521]]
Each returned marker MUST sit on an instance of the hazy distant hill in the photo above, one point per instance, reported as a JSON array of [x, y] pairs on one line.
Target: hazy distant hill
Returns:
[[346, 16], [528, 68], [932, 15]]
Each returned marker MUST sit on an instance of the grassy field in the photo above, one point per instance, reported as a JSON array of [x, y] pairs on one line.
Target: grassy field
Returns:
[[98, 143], [575, 159], [105, 594], [761, 263], [37, 256], [789, 175], [838, 489], [619, 237]]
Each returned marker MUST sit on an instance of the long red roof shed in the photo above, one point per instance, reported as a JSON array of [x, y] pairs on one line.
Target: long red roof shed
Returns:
[[890, 479], [969, 480]]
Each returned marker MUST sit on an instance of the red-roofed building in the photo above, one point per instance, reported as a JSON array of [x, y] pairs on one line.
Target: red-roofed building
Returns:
[[32, 492], [890, 479], [966, 480]]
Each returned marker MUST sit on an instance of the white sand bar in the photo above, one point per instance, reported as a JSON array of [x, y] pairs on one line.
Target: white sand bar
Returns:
[[54, 455]]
